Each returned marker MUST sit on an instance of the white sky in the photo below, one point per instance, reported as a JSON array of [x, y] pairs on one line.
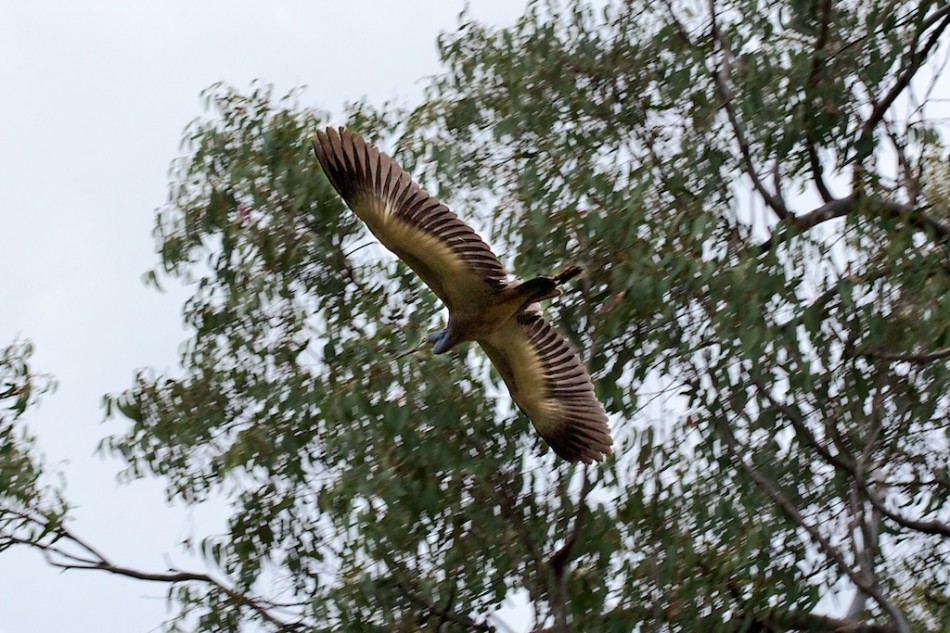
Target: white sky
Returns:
[[95, 97]]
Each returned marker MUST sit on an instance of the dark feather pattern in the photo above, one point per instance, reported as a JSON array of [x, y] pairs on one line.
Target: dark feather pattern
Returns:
[[546, 378], [375, 187], [549, 383], [580, 430]]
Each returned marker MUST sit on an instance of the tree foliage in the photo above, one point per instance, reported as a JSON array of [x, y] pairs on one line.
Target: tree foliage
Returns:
[[757, 191], [20, 388], [31, 508]]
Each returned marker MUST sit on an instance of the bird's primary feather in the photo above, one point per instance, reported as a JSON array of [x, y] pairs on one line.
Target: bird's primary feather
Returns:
[[445, 252], [546, 378], [548, 381]]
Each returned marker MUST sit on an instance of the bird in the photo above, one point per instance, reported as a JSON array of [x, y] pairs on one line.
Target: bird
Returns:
[[546, 378]]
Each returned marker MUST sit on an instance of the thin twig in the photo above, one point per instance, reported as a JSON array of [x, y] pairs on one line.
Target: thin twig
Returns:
[[64, 560], [911, 357]]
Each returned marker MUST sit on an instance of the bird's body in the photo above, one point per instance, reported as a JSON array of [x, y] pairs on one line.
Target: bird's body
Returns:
[[544, 375]]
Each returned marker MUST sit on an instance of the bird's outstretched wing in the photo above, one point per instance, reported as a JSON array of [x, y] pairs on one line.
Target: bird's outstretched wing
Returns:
[[549, 383], [444, 251]]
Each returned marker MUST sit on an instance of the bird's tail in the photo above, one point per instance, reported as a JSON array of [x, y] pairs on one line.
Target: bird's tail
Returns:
[[541, 288], [567, 274]]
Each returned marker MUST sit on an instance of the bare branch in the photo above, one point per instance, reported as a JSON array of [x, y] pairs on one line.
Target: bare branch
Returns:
[[911, 182], [63, 559], [863, 548], [817, 170], [937, 528], [849, 468], [843, 206]]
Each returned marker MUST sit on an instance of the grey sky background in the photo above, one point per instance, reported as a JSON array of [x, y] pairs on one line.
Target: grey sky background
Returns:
[[95, 96]]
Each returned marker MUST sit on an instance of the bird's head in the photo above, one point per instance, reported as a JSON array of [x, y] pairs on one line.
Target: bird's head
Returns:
[[442, 341]]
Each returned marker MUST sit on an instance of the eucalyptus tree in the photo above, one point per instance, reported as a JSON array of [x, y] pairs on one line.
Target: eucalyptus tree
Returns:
[[757, 192]]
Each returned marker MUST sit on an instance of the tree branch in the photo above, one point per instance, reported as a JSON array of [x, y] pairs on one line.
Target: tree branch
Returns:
[[60, 558], [776, 619], [841, 207], [849, 468], [560, 558], [911, 357], [906, 171], [799, 620], [784, 621], [720, 78], [813, 75], [937, 528], [911, 65], [789, 508]]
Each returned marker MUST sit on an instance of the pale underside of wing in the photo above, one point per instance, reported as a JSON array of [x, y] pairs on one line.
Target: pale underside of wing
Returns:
[[548, 381], [444, 251]]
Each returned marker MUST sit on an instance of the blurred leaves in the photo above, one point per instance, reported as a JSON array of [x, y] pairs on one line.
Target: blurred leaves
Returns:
[[20, 467], [32, 509]]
